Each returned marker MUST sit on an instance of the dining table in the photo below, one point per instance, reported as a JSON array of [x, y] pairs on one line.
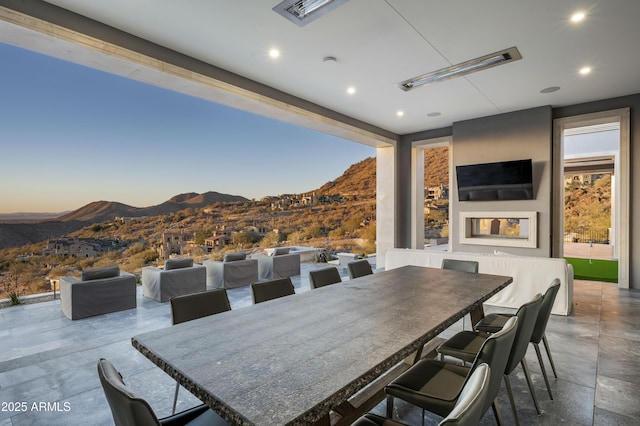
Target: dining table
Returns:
[[296, 359]]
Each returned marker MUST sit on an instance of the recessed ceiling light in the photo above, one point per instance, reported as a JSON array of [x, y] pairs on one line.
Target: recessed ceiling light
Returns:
[[274, 53], [550, 89], [585, 70], [434, 114], [351, 90], [578, 17], [400, 113]]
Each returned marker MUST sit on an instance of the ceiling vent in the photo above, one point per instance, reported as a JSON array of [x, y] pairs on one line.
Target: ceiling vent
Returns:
[[301, 12], [464, 68]]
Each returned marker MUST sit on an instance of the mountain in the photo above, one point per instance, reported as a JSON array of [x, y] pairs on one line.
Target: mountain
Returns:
[[358, 179], [19, 234], [100, 211], [26, 217]]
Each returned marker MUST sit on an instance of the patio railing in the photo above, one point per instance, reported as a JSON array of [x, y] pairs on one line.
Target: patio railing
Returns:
[[595, 236]]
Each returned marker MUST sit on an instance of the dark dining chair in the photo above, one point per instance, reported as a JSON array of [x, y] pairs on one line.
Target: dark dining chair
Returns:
[[197, 305], [462, 266], [128, 409], [493, 322], [468, 409], [359, 268], [436, 386], [325, 276], [465, 344], [272, 289]]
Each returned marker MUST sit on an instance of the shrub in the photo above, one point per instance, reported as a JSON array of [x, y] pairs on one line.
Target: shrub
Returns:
[[14, 298]]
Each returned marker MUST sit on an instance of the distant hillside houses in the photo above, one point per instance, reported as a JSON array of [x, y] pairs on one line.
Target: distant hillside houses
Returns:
[[439, 192], [176, 242], [78, 247], [307, 200], [128, 219], [582, 179]]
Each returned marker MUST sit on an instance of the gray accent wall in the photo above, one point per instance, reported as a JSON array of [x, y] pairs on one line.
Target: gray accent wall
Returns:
[[518, 135]]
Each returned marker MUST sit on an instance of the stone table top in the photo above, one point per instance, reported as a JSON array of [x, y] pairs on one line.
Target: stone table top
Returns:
[[290, 360]]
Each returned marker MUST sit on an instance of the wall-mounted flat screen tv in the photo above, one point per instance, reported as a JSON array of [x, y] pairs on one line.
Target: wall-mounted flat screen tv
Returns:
[[505, 180]]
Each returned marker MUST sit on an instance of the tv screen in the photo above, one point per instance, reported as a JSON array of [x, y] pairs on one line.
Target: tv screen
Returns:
[[506, 180]]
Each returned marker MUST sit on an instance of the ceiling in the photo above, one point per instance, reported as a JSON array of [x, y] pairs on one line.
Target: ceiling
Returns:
[[378, 44]]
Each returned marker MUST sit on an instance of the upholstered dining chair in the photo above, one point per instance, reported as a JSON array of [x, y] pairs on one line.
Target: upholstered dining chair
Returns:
[[129, 409], [272, 289], [325, 276], [462, 266], [436, 386], [359, 268], [465, 344], [493, 322], [193, 306], [468, 409]]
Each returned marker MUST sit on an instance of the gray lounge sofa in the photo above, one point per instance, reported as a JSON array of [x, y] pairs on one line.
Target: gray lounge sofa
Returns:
[[235, 270], [281, 264], [178, 277], [99, 291]]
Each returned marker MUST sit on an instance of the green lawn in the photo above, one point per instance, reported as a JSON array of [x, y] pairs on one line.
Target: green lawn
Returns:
[[594, 270]]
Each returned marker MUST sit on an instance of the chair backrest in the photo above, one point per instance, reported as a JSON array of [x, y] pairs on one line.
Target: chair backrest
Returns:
[[460, 265], [198, 305], [126, 407], [495, 353], [273, 289], [325, 276], [527, 316], [545, 311], [469, 408], [359, 268]]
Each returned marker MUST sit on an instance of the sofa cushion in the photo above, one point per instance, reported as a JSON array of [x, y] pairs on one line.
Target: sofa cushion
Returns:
[[178, 263], [232, 257], [281, 250], [97, 274]]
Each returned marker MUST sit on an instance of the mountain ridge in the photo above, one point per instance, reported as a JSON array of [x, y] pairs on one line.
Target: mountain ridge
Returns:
[[19, 234], [99, 211]]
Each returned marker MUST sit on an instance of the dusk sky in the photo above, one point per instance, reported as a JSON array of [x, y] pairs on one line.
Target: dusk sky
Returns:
[[70, 135]]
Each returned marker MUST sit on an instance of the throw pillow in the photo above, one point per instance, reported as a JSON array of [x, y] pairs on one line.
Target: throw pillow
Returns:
[[185, 262], [97, 274], [232, 257]]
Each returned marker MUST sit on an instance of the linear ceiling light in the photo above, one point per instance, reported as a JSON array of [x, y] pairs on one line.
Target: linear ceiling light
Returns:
[[464, 68], [301, 12]]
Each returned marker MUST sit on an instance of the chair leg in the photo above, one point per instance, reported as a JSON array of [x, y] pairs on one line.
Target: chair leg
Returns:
[[546, 346], [175, 398], [390, 406], [527, 376], [497, 413], [544, 370], [507, 382]]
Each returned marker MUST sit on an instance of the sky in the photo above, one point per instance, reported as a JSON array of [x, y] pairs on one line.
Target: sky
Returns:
[[71, 135]]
